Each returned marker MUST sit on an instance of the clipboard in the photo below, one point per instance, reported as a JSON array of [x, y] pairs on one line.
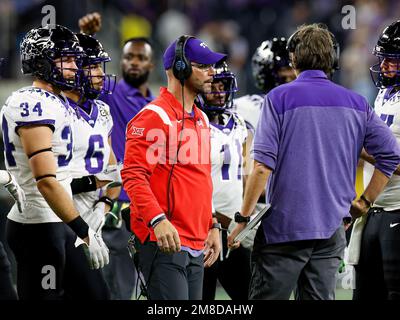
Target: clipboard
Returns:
[[253, 222]]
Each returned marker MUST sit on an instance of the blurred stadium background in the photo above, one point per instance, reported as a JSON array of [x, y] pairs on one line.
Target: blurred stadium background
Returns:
[[236, 27]]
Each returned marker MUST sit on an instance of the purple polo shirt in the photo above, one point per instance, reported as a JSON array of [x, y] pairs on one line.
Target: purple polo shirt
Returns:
[[311, 132], [125, 102]]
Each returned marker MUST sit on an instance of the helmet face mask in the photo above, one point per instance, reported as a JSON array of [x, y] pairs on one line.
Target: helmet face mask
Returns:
[[223, 88], [95, 80], [94, 67], [386, 73], [267, 62], [46, 54]]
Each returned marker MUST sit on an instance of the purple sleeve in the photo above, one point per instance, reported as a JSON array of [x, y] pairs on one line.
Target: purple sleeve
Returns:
[[381, 144], [266, 138]]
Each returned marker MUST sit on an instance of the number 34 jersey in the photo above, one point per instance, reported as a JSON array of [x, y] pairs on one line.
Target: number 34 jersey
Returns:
[[35, 106], [226, 163], [91, 147], [387, 107]]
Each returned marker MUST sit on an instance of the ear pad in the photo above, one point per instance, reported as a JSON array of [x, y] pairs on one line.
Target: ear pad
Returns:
[[181, 66]]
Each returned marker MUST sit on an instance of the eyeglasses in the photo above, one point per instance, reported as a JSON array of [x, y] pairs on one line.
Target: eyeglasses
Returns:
[[203, 67]]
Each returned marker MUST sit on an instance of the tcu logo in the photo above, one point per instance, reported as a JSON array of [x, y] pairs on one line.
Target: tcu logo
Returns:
[[203, 45]]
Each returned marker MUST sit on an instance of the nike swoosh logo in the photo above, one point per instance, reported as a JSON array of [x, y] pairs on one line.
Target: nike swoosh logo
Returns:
[[394, 224]]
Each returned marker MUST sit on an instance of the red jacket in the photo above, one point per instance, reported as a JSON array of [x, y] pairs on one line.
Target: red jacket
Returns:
[[151, 147]]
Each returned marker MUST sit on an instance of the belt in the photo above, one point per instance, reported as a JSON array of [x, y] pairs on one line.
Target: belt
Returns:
[[223, 220]]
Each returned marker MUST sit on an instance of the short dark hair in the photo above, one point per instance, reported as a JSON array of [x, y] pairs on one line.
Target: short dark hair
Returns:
[[313, 48], [138, 39]]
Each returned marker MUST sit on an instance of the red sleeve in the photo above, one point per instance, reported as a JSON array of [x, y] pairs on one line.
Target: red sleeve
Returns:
[[145, 144]]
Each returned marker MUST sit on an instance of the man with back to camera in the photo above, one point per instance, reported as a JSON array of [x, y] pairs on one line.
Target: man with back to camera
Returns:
[[167, 175], [270, 67], [129, 96], [309, 139]]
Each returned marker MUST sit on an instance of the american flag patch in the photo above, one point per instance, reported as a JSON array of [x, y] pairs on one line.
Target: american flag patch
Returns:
[[137, 131]]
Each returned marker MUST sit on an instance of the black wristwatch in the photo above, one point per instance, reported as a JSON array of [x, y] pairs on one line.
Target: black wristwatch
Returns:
[[239, 218], [216, 225], [366, 201]]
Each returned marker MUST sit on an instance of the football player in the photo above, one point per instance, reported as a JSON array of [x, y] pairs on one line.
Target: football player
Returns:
[[377, 275], [228, 135], [94, 164], [50, 240], [271, 67]]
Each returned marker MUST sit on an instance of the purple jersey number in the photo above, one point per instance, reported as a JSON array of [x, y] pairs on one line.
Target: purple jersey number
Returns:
[[387, 118], [92, 153], [228, 158], [66, 135], [8, 146]]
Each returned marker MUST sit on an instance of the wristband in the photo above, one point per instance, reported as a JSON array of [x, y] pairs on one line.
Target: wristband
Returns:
[[158, 220], [84, 184], [106, 200], [80, 227]]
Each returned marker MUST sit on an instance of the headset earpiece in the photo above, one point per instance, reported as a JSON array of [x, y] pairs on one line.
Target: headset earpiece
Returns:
[[181, 66], [292, 42]]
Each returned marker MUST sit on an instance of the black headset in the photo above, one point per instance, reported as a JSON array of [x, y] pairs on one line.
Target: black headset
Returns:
[[294, 41], [181, 66]]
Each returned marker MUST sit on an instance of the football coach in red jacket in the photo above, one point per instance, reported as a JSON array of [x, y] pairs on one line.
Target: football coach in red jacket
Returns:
[[167, 175]]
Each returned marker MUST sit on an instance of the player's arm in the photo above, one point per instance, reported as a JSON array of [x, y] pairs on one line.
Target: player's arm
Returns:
[[36, 142]]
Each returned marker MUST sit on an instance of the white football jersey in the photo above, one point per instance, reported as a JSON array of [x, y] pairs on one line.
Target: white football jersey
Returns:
[[28, 106], [91, 148], [226, 163], [387, 107], [249, 107]]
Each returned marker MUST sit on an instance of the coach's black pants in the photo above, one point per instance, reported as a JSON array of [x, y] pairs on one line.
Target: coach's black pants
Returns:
[[177, 276], [49, 267], [233, 273], [378, 270], [307, 267]]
